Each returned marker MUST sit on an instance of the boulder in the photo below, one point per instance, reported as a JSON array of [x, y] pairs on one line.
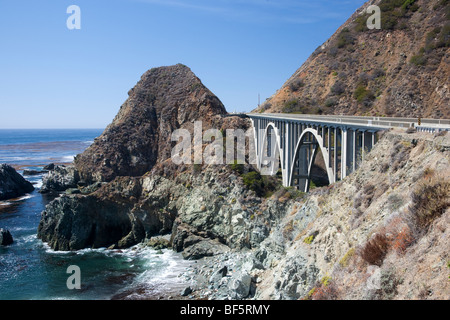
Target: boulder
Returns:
[[217, 276], [60, 179], [29, 172], [12, 184], [204, 248], [5, 237], [239, 285], [49, 167], [73, 223], [186, 291]]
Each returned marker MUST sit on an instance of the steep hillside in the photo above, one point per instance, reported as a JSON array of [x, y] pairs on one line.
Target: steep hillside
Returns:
[[381, 233], [400, 70]]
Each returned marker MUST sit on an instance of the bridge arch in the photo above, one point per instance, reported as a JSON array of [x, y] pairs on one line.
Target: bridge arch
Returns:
[[264, 158], [306, 150]]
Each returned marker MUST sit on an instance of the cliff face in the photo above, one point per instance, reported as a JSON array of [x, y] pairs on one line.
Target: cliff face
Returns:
[[400, 70], [165, 99], [381, 233]]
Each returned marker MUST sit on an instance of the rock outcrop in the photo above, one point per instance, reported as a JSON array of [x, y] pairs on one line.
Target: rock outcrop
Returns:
[[283, 244], [322, 246], [60, 178], [124, 188], [12, 184], [139, 137], [5, 237]]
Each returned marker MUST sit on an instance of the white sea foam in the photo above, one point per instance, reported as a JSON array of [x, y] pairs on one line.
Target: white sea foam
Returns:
[[27, 196], [67, 158], [21, 229], [38, 184], [11, 201], [164, 270], [49, 250], [30, 238]]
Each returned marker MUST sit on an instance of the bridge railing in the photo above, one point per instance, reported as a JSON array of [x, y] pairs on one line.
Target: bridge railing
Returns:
[[378, 122]]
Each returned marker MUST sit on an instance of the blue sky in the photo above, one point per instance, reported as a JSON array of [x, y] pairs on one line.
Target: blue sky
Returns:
[[53, 77]]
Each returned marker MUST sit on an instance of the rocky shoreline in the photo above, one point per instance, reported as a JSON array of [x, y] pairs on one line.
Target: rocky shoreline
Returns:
[[251, 237]]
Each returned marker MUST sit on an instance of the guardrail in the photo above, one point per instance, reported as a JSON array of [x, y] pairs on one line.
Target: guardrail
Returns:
[[428, 125]]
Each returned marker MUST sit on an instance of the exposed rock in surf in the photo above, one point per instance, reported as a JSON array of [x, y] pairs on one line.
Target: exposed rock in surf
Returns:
[[60, 179], [12, 184], [5, 237]]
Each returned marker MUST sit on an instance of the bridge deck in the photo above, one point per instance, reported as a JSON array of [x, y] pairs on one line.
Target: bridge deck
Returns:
[[375, 122]]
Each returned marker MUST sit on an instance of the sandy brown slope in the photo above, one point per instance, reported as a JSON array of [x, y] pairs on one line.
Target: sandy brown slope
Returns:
[[401, 70]]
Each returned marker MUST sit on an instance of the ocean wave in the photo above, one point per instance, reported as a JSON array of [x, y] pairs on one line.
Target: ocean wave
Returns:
[[38, 184], [49, 249], [171, 265], [12, 201], [25, 197], [27, 239], [15, 229], [67, 158]]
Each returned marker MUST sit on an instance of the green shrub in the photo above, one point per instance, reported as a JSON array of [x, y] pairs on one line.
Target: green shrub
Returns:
[[393, 10], [305, 105], [253, 180], [330, 102], [444, 37], [237, 167], [361, 23], [363, 95], [410, 5], [309, 240], [290, 106], [293, 192], [345, 38], [338, 88], [419, 59], [296, 84], [197, 168], [344, 262]]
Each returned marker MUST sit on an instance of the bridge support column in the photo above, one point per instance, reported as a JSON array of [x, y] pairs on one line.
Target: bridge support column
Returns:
[[344, 144], [354, 148]]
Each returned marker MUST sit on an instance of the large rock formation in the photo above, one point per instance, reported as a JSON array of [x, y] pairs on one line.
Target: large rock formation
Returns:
[[12, 184], [127, 179], [165, 99]]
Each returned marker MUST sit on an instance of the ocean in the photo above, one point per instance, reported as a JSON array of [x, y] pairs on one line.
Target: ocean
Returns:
[[31, 270]]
